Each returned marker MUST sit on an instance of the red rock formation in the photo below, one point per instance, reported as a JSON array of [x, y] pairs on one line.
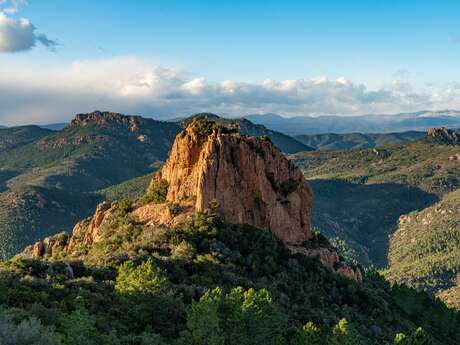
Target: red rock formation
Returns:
[[331, 259], [246, 179], [87, 231]]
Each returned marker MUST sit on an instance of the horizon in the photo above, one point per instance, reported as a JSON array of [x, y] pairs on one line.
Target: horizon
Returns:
[[261, 115], [169, 59]]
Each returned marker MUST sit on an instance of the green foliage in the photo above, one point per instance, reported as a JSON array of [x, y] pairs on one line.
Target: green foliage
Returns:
[[418, 337], [174, 208], [203, 321], [159, 285], [144, 279], [124, 205], [157, 192], [423, 251], [80, 327], [59, 177], [204, 126], [361, 193], [243, 317], [309, 334], [28, 331], [131, 189], [347, 141], [344, 334]]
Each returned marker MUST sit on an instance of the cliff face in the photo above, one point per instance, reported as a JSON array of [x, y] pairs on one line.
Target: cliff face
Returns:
[[244, 179]]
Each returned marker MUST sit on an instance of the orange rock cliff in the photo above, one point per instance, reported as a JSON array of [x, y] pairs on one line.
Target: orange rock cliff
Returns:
[[247, 179]]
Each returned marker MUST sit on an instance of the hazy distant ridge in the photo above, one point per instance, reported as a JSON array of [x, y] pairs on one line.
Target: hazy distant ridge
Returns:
[[419, 121]]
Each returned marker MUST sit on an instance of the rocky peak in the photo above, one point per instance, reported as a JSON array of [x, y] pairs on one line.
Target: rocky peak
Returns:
[[443, 135], [107, 119], [245, 179]]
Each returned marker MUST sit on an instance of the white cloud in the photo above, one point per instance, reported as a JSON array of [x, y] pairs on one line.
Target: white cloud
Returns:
[[131, 85], [10, 6], [18, 34]]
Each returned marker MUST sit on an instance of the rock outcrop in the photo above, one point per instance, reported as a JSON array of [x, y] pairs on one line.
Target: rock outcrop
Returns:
[[247, 180], [331, 259], [84, 234], [87, 231], [100, 118], [443, 135]]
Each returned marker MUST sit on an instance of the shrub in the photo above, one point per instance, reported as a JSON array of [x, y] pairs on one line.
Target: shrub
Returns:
[[344, 334], [184, 251], [308, 335], [145, 279], [174, 208], [157, 192], [27, 332], [124, 206], [80, 327], [204, 127]]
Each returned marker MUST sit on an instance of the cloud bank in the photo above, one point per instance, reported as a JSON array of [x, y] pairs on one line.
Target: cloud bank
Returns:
[[135, 86], [18, 35]]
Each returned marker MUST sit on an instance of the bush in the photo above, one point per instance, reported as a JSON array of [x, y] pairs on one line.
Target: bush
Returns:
[[27, 332], [174, 208], [157, 192], [145, 279], [204, 127], [308, 335], [124, 206], [80, 327]]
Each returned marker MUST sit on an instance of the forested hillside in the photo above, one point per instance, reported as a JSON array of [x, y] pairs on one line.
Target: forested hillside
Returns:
[[365, 195]]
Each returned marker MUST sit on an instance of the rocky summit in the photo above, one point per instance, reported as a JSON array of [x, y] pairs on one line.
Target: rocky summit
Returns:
[[243, 179], [246, 179]]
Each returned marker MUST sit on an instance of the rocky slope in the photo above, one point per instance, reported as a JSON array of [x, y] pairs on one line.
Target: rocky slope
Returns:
[[424, 249], [11, 138], [245, 180], [394, 207], [361, 193]]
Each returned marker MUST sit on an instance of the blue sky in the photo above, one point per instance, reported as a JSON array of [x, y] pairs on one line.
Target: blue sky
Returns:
[[371, 44]]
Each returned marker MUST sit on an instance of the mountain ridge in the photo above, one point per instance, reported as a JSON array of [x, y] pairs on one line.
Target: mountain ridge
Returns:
[[301, 125]]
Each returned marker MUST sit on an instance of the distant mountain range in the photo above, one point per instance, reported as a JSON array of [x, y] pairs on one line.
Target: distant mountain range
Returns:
[[54, 126], [418, 121]]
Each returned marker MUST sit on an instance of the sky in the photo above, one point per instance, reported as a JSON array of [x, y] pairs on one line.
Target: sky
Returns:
[[168, 59]]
